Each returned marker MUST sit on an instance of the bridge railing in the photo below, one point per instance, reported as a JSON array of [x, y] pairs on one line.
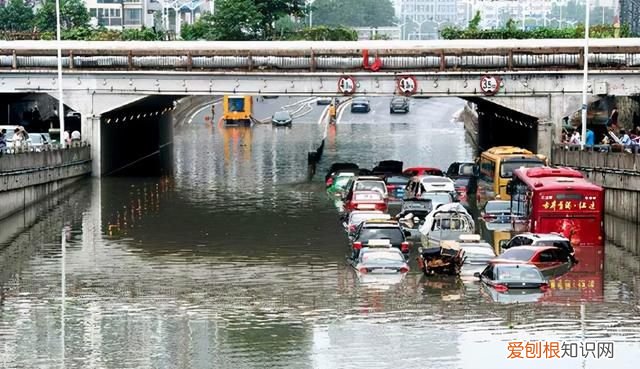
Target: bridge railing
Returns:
[[459, 55], [602, 157]]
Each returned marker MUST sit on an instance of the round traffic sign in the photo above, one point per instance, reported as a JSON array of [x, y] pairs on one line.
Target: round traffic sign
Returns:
[[407, 85], [490, 85], [347, 85]]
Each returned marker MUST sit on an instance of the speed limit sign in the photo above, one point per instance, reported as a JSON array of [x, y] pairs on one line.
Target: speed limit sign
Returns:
[[490, 85], [347, 85], [407, 85]]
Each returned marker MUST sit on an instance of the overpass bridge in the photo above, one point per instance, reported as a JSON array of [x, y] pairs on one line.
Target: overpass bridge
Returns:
[[539, 78]]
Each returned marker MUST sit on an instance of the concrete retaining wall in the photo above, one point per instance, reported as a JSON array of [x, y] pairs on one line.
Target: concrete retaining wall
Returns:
[[29, 177], [617, 173]]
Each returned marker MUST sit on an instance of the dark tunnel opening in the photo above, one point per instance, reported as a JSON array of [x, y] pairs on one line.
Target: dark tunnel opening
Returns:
[[137, 139], [500, 126]]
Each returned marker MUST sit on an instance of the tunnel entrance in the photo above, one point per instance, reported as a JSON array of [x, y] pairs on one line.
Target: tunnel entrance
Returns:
[[137, 139], [500, 126]]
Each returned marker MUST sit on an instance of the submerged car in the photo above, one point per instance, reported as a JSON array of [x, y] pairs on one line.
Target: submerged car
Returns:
[[542, 239], [360, 105], [423, 171], [366, 200], [396, 185], [548, 259], [282, 118], [497, 211], [324, 100], [437, 198], [380, 230], [380, 257], [367, 183], [339, 182], [477, 254], [504, 277], [355, 218], [399, 105]]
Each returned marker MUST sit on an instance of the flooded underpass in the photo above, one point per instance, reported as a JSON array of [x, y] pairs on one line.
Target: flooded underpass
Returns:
[[237, 261]]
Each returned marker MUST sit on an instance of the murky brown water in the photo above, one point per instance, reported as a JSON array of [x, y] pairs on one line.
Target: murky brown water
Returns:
[[238, 262]]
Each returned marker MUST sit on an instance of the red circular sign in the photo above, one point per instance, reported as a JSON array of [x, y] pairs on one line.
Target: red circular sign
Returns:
[[490, 85], [407, 85], [347, 85]]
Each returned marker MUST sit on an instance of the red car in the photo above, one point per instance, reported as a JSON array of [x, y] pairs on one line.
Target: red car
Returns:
[[548, 259], [422, 171], [366, 200]]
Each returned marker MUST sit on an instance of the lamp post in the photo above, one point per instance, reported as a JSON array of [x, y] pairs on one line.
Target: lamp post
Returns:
[[585, 74], [60, 98]]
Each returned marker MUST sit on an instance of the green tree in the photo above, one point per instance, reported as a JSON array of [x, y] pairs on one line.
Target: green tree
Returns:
[[353, 13], [16, 16], [324, 33], [474, 23], [236, 20], [73, 14], [201, 29], [272, 10]]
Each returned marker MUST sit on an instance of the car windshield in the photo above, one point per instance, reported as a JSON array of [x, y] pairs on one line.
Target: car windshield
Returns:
[[397, 180], [518, 273], [360, 101], [398, 101], [342, 181], [517, 254], [371, 186], [507, 168], [361, 217], [559, 244], [281, 115], [392, 234], [382, 257], [466, 169], [440, 198], [498, 207], [35, 138]]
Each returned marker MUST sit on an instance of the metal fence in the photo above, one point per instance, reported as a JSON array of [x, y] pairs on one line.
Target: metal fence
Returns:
[[26, 148]]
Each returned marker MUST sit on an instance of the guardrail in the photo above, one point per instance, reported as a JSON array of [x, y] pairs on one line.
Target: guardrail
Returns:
[[593, 158], [30, 160], [512, 55]]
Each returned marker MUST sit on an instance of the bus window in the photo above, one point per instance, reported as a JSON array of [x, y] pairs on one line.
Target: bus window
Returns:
[[236, 104], [507, 167], [487, 170]]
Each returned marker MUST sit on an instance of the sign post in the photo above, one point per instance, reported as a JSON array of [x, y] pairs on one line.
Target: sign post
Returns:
[[490, 85], [407, 85], [347, 85]]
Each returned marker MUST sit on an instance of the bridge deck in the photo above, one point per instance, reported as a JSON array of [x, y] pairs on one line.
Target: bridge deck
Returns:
[[437, 55]]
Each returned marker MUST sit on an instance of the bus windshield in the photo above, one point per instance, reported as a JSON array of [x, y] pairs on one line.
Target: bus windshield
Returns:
[[236, 104], [507, 167]]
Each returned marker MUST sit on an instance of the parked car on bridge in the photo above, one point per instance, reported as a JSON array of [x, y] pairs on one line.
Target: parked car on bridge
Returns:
[[282, 118], [399, 105], [360, 105]]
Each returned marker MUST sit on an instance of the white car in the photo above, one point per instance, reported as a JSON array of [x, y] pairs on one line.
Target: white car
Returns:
[[437, 183]]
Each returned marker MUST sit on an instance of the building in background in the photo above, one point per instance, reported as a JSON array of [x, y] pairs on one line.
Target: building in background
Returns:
[[630, 15], [422, 19], [158, 14], [380, 33]]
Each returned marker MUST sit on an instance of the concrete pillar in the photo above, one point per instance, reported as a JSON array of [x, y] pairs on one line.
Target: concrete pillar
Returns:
[[90, 127], [545, 137]]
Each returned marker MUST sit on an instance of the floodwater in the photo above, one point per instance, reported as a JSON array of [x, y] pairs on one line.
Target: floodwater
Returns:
[[237, 261]]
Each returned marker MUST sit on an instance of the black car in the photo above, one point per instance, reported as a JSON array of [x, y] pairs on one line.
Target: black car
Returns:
[[380, 230], [399, 105], [360, 105], [282, 118], [503, 277]]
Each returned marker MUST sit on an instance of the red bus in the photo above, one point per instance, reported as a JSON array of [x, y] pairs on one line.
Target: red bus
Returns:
[[561, 200]]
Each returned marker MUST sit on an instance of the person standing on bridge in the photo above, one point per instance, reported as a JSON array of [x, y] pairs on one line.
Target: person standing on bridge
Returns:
[[590, 139], [3, 141]]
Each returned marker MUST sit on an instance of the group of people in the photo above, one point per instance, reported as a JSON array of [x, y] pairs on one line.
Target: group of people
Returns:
[[19, 139]]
